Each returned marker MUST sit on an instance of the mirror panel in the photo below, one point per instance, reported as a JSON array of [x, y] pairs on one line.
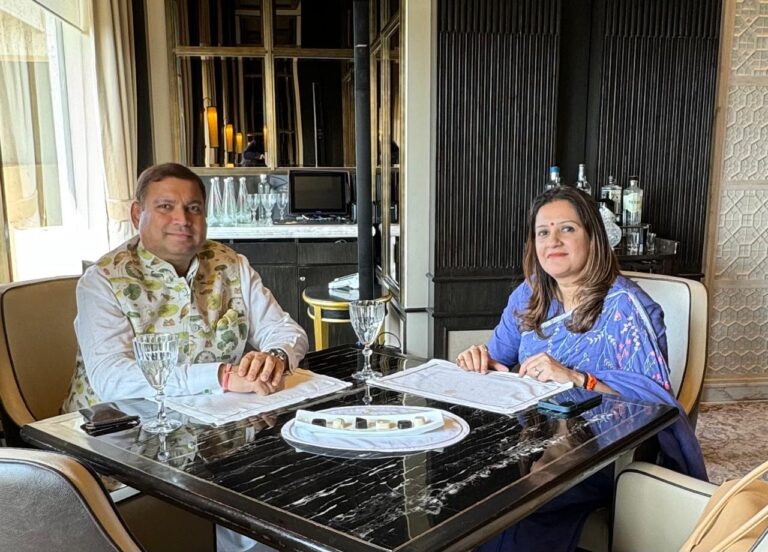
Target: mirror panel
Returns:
[[312, 23], [314, 112], [221, 104], [218, 23], [395, 142]]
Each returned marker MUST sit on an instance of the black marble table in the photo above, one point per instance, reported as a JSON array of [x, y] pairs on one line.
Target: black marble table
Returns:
[[245, 476]]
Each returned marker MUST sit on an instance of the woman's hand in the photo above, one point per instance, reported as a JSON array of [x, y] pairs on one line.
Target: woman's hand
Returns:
[[477, 359], [543, 367]]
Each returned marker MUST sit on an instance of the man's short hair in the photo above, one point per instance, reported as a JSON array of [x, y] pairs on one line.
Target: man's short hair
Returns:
[[156, 173]]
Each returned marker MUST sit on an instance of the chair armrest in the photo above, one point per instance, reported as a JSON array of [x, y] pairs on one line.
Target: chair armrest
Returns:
[[656, 509]]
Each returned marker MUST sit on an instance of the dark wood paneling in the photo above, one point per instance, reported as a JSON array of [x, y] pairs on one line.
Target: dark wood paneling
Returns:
[[497, 66], [266, 252], [283, 282], [288, 267], [657, 101], [337, 252], [626, 86]]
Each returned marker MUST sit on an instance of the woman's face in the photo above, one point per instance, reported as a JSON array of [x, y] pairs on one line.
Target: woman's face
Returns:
[[562, 243]]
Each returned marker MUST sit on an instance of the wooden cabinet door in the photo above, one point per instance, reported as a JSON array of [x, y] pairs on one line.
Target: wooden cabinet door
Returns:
[[283, 282]]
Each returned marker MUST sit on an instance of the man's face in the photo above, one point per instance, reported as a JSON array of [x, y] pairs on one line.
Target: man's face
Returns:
[[171, 221]]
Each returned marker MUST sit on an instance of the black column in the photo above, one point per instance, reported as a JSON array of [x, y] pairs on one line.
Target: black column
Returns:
[[363, 148]]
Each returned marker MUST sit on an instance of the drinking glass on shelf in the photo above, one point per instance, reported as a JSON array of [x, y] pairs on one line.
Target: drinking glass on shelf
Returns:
[[156, 355], [229, 203], [282, 203], [367, 316], [243, 216], [650, 242], [268, 202], [214, 202], [254, 204]]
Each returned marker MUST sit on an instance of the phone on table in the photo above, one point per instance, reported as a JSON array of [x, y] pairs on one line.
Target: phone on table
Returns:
[[571, 402]]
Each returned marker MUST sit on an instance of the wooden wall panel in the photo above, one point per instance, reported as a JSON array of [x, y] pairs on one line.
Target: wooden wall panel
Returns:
[[656, 112], [496, 108]]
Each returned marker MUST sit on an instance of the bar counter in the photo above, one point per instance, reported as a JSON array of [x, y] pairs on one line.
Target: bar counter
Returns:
[[283, 231]]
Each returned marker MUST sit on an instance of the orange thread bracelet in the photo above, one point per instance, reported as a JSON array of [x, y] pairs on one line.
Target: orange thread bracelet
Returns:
[[589, 385], [225, 377]]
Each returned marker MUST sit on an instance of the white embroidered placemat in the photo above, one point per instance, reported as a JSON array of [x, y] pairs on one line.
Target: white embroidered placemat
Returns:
[[501, 392], [221, 408]]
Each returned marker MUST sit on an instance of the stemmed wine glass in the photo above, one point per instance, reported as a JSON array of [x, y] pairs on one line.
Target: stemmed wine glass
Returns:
[[367, 317], [156, 355], [254, 203], [282, 203], [268, 202]]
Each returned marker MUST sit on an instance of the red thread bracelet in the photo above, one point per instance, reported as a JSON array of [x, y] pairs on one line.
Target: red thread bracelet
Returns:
[[225, 377]]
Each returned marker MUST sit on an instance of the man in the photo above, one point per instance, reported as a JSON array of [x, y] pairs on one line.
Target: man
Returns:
[[169, 279]]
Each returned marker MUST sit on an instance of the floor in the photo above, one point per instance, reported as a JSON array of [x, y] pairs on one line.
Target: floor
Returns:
[[733, 437]]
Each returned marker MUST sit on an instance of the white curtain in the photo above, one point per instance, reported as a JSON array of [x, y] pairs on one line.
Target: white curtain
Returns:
[[116, 81]]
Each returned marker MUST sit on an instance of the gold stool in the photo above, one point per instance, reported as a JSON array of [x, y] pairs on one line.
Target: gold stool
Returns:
[[325, 308]]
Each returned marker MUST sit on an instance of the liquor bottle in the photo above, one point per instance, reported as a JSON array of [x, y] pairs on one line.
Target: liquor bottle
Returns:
[[633, 202], [581, 181], [633, 216], [612, 192], [554, 178]]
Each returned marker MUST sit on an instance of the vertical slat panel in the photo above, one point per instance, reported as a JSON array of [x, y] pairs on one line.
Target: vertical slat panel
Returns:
[[496, 114], [656, 111]]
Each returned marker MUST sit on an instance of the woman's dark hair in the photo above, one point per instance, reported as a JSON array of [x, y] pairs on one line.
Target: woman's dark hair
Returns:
[[156, 173], [598, 274]]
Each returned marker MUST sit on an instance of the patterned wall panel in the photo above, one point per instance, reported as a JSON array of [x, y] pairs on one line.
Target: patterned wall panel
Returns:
[[738, 344], [657, 110], [738, 340], [750, 44], [742, 244], [495, 130], [746, 141]]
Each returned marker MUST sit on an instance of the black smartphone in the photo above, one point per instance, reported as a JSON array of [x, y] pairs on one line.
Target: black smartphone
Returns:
[[106, 418], [571, 401]]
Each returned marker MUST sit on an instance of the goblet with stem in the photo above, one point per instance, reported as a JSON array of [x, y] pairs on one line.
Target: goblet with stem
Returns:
[[268, 201], [282, 203], [367, 316], [254, 203], [156, 355]]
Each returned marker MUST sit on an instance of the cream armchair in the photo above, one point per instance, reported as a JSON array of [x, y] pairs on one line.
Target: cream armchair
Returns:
[[52, 502], [37, 358], [685, 304], [656, 509]]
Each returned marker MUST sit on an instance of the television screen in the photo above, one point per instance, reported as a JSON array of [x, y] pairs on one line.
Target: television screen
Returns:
[[320, 193]]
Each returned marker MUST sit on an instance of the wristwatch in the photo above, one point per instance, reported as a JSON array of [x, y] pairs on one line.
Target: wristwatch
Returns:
[[282, 355]]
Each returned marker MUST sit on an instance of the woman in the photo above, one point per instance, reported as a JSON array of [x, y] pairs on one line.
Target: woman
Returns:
[[576, 319]]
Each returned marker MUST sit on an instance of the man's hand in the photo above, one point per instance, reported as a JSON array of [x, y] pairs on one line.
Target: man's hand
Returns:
[[257, 372], [257, 365]]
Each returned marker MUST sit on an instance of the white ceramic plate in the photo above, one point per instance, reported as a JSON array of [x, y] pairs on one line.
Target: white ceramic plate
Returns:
[[453, 430]]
